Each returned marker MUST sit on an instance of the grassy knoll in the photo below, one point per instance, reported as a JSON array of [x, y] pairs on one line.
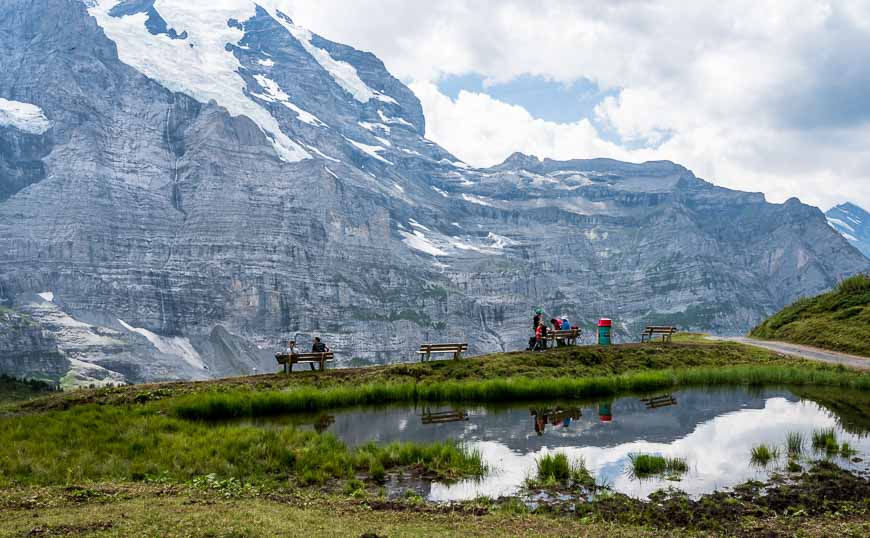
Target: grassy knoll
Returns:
[[839, 320]]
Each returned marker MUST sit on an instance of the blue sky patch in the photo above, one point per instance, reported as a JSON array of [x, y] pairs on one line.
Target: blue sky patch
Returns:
[[544, 99]]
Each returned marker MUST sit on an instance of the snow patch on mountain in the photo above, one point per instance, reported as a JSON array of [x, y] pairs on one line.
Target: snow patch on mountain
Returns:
[[23, 116], [343, 73], [374, 127], [479, 200], [275, 94], [837, 222], [176, 346], [418, 241], [370, 150], [199, 66], [398, 121]]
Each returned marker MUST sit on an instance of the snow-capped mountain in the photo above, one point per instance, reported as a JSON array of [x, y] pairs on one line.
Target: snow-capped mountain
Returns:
[[183, 186], [853, 223]]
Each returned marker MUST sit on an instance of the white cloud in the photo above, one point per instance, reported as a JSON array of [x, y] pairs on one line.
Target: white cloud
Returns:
[[753, 94]]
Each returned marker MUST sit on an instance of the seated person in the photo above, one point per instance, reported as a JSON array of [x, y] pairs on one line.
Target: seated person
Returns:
[[291, 348], [318, 346]]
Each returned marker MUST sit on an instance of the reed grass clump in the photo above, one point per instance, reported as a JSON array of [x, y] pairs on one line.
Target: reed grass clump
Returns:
[[554, 467], [648, 465], [794, 442], [763, 454], [558, 469], [825, 440]]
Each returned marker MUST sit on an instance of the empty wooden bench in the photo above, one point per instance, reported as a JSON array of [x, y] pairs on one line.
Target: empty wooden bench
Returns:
[[426, 350], [569, 337], [652, 330], [311, 358]]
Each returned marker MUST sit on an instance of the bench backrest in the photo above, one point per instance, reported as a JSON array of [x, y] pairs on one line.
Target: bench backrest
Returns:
[[660, 329], [443, 347], [327, 356], [563, 334]]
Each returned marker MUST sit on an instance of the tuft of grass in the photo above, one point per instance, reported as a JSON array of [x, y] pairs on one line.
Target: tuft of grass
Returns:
[[647, 465], [763, 454], [846, 451], [825, 440], [554, 467], [794, 442], [557, 468]]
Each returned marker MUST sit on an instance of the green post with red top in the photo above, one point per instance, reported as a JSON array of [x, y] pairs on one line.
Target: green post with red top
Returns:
[[604, 327]]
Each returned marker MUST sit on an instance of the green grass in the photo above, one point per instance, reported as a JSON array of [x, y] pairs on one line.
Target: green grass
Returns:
[[763, 454], [794, 442], [647, 465], [825, 440], [225, 405], [557, 468], [839, 320], [554, 467]]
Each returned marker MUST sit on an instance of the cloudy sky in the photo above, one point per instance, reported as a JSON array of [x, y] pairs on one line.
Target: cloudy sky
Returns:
[[770, 96]]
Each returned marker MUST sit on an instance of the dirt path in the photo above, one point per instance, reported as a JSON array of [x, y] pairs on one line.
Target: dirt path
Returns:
[[806, 352]]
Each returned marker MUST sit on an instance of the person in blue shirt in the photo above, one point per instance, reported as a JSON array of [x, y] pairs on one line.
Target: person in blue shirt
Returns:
[[566, 326]]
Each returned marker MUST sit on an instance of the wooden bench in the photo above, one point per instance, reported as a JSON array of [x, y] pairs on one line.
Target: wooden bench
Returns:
[[311, 358], [652, 330], [426, 350], [569, 337]]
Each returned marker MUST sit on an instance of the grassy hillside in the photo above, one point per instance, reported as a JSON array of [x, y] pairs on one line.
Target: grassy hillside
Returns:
[[839, 320]]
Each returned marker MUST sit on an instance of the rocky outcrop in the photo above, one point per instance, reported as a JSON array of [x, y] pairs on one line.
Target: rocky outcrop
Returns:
[[191, 217], [26, 351]]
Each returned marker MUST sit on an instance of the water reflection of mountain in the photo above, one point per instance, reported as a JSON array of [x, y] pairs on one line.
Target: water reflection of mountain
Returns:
[[515, 427]]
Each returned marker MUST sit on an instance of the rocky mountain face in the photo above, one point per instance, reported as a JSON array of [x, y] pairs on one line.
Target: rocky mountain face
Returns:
[[184, 187], [853, 223]]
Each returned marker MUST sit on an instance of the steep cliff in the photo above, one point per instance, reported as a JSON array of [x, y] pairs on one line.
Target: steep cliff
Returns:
[[192, 185]]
